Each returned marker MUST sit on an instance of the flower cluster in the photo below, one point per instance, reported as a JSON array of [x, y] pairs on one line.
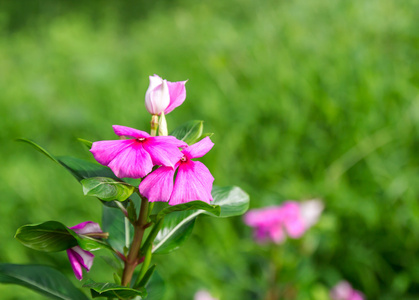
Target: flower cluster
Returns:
[[271, 223], [138, 152], [344, 291]]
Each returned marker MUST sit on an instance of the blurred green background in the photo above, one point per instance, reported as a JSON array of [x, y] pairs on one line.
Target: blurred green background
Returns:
[[306, 99]]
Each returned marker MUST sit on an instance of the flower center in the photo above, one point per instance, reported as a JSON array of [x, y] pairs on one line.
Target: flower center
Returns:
[[141, 139], [183, 158]]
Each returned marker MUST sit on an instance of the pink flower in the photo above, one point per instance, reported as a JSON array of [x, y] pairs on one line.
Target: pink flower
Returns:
[[294, 218], [344, 291], [164, 96], [135, 157], [78, 257], [193, 179], [203, 295]]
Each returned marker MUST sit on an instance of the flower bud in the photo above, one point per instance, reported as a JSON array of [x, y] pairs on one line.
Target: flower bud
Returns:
[[157, 97]]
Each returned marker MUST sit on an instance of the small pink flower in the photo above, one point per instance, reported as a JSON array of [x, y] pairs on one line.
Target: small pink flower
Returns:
[[78, 257], [203, 295], [344, 291], [193, 180], [292, 217], [164, 96], [135, 157]]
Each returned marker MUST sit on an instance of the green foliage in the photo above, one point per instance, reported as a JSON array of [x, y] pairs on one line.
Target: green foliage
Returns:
[[111, 290], [107, 189], [42, 279], [53, 236], [189, 132]]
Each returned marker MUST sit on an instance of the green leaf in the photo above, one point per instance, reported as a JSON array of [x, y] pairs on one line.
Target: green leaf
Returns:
[[107, 189], [156, 288], [147, 276], [41, 279], [39, 148], [79, 168], [189, 132], [82, 169], [113, 221], [53, 236], [193, 205], [112, 290], [232, 200], [87, 143], [176, 229], [177, 226]]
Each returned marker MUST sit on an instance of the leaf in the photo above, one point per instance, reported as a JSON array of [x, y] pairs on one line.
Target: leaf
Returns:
[[176, 229], [112, 290], [79, 168], [53, 236], [177, 226], [156, 288], [232, 200], [147, 276], [41, 279], [113, 221], [39, 148], [107, 189], [189, 132], [87, 143], [192, 205]]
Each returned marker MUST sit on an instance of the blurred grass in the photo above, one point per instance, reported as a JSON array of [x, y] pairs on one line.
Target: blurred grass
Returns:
[[306, 99]]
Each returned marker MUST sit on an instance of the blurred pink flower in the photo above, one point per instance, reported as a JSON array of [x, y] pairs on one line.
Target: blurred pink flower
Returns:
[[203, 295], [78, 257], [294, 218], [344, 291], [135, 157], [193, 180], [164, 96]]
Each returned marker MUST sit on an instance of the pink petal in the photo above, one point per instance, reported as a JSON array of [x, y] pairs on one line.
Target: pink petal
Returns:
[[310, 211], [164, 150], [177, 93], [193, 182], [341, 291], [199, 149], [356, 295], [86, 227], [132, 162], [128, 131], [105, 151], [157, 97], [292, 219], [158, 185], [80, 258], [276, 234], [266, 216]]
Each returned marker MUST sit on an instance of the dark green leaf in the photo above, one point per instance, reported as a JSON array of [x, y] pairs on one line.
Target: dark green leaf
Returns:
[[112, 290], [147, 277], [53, 236], [113, 221], [41, 279], [193, 205], [189, 132], [107, 189], [156, 287]]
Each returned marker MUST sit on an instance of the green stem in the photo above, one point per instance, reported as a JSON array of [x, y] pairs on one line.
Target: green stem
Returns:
[[154, 123], [132, 259], [145, 265]]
